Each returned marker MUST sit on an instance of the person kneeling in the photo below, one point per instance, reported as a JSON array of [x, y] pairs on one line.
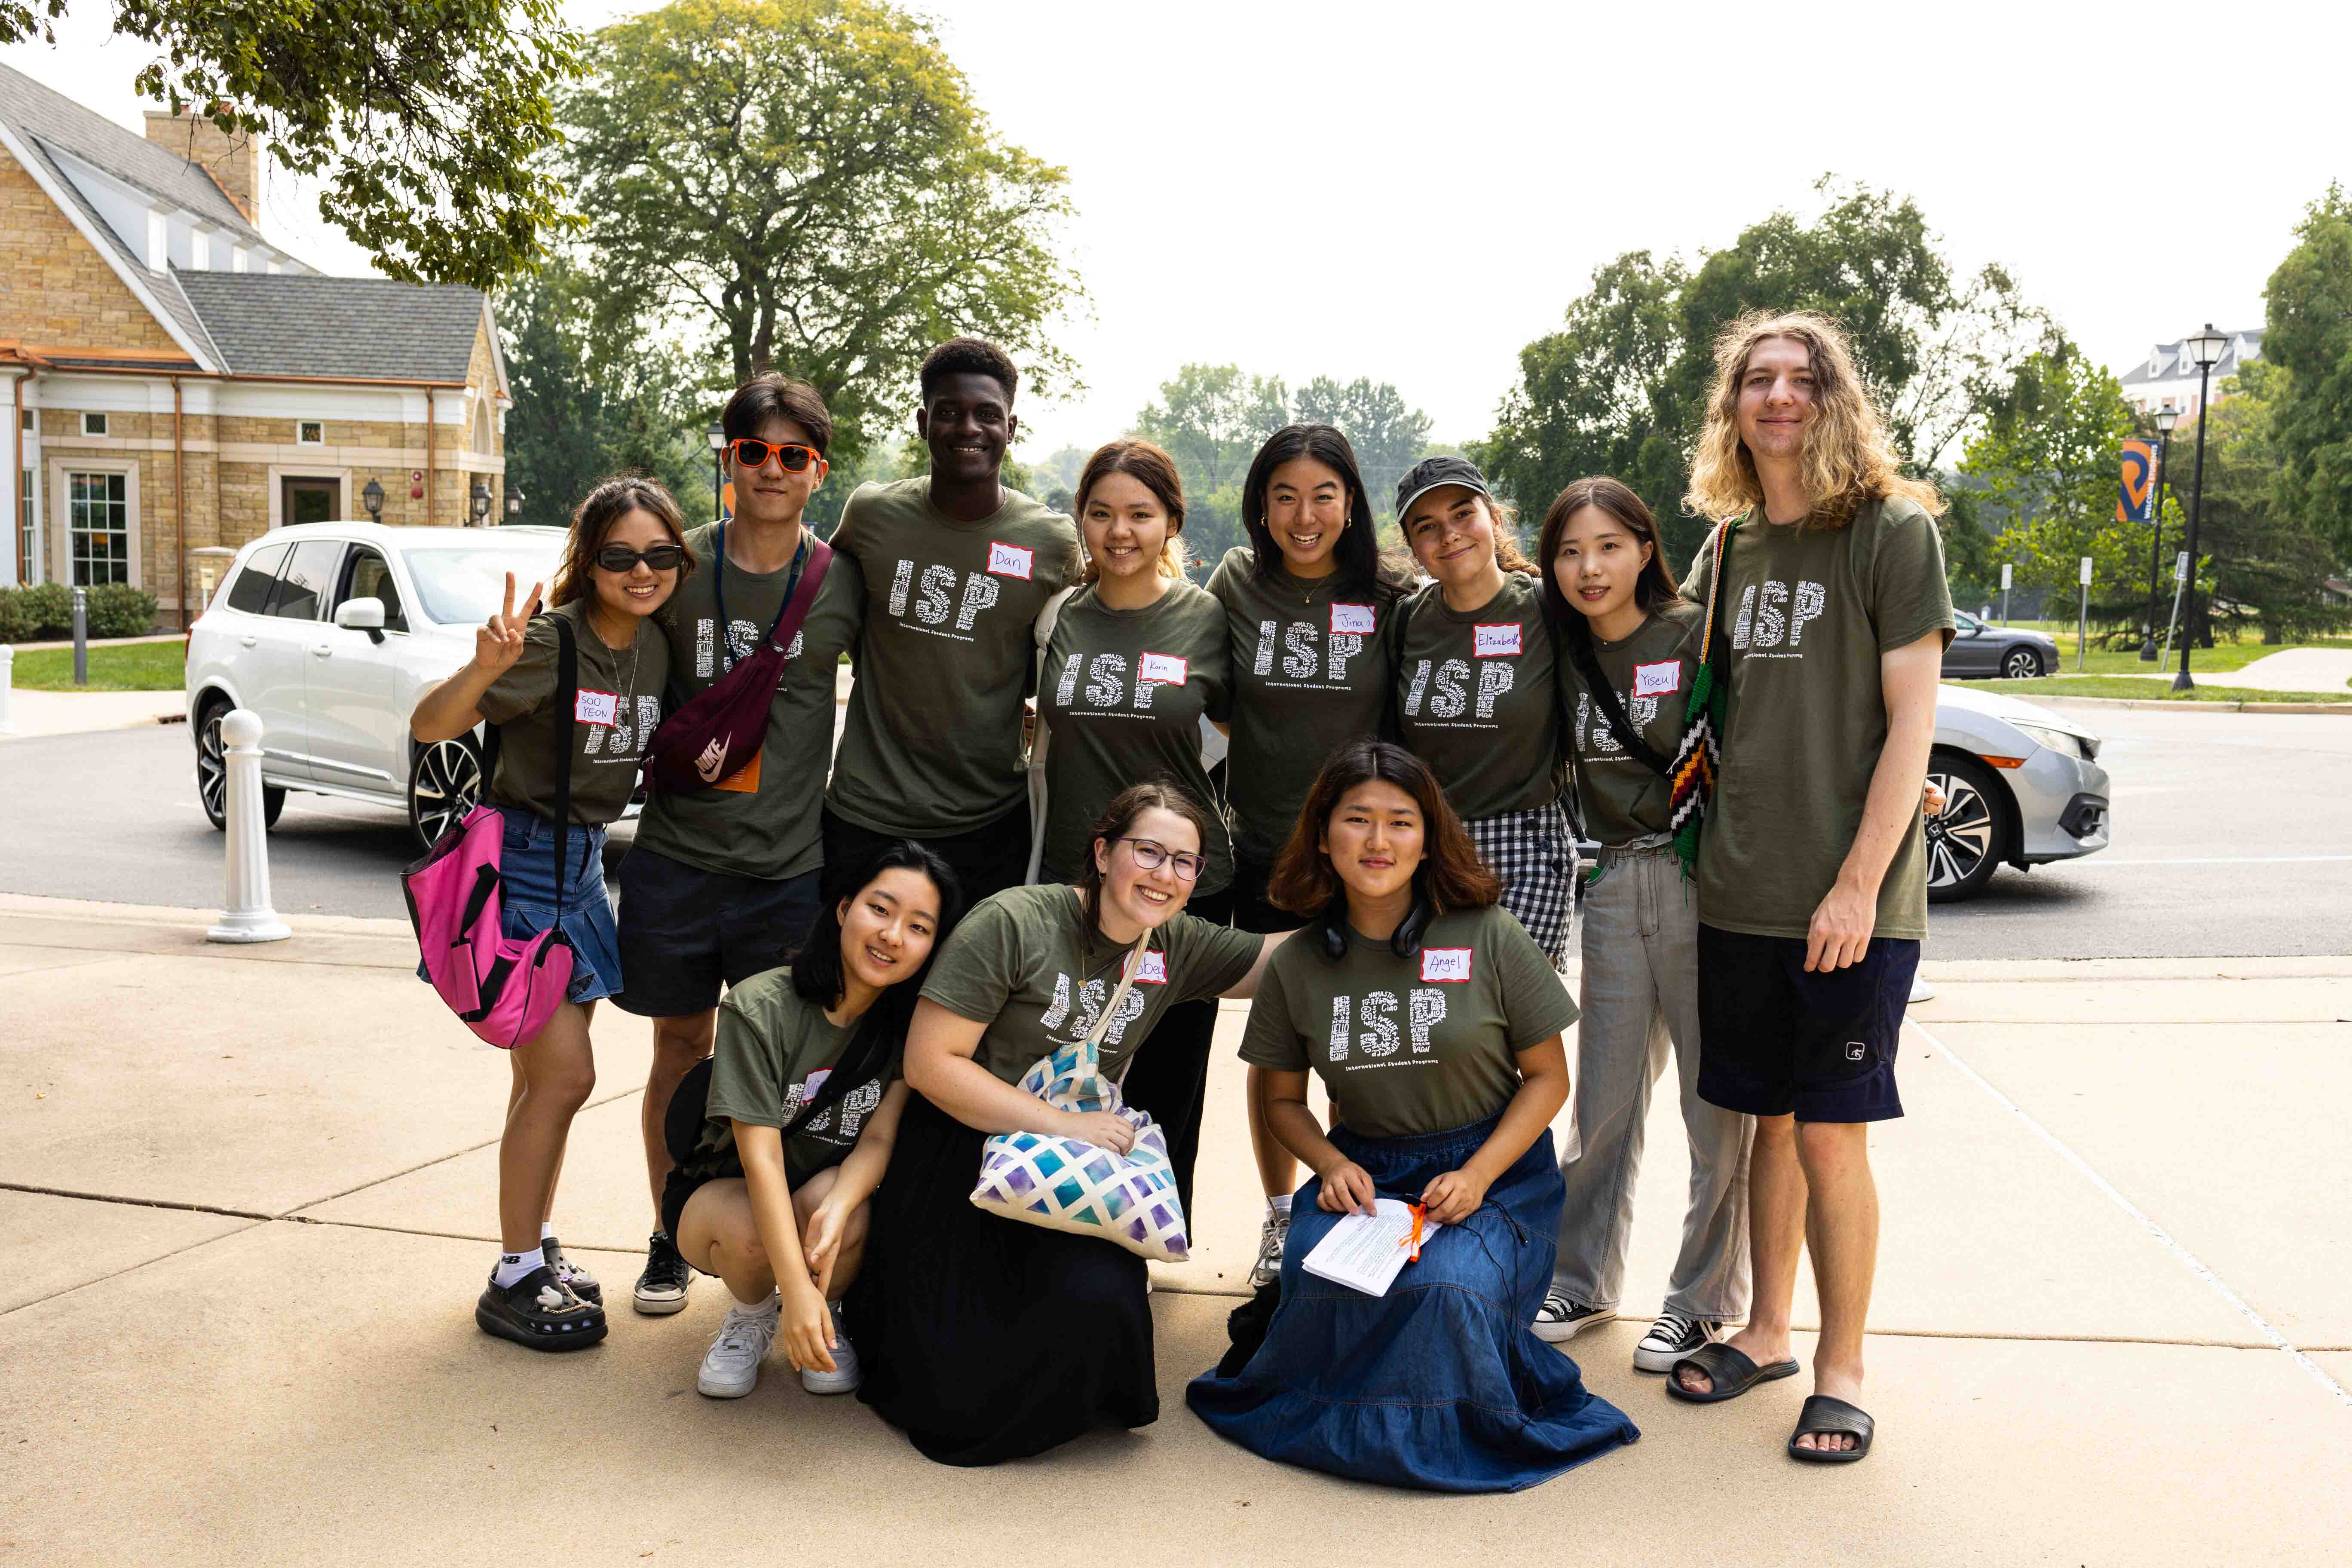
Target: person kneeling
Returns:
[[782, 1135], [1435, 1021]]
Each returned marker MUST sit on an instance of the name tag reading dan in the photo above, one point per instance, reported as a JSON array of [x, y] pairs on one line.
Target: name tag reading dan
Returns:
[[597, 707], [1010, 560], [1495, 641], [1660, 680], [1444, 963], [1164, 668], [1352, 620], [1152, 969]]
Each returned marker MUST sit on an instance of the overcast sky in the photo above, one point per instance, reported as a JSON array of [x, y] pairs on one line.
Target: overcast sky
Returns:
[[1413, 192]]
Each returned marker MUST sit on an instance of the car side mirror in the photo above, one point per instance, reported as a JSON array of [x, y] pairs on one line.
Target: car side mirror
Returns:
[[362, 615], [1974, 631]]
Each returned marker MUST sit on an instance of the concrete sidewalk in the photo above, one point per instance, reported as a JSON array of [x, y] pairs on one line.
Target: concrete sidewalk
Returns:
[[80, 712], [245, 1204]]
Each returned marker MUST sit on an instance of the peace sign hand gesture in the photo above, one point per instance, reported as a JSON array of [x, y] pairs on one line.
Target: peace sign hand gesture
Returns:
[[497, 642]]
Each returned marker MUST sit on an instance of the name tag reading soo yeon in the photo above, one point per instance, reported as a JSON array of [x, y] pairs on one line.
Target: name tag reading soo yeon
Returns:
[[1152, 969], [1166, 668], [1010, 560], [1660, 680], [1353, 620], [1495, 641], [597, 707], [1439, 964]]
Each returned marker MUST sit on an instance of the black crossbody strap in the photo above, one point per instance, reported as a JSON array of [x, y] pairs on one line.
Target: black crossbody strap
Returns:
[[567, 702], [1612, 708]]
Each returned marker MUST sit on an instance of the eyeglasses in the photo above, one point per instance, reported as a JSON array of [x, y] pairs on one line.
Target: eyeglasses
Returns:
[[753, 453], [1151, 856], [621, 558]]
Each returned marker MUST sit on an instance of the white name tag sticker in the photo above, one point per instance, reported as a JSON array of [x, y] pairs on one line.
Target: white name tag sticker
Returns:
[[1164, 668], [597, 707], [1353, 620], [814, 1081], [1495, 641], [1152, 969], [1659, 679], [1010, 560], [1444, 963]]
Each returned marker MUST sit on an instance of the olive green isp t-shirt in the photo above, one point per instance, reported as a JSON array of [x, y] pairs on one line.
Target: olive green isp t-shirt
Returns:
[[1476, 697], [763, 820], [602, 741], [1651, 672], [773, 1051], [1020, 964], [1809, 612], [932, 742], [1125, 692], [1408, 1046], [1311, 670]]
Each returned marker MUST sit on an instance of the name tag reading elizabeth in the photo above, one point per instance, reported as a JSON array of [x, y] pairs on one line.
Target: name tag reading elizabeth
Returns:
[[597, 707], [1010, 560], [1352, 620], [1660, 680], [1164, 668], [1444, 963], [1152, 969], [1495, 641]]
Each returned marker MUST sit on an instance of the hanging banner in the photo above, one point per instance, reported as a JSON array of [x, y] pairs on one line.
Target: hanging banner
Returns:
[[2135, 497]]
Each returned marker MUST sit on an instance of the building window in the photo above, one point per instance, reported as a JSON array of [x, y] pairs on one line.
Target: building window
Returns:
[[310, 432], [28, 527], [97, 525], [28, 420], [93, 423]]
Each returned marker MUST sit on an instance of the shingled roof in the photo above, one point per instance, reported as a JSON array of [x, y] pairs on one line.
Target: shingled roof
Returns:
[[363, 328], [28, 106]]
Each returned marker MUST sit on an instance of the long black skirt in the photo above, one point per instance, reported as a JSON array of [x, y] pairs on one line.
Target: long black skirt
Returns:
[[984, 1339]]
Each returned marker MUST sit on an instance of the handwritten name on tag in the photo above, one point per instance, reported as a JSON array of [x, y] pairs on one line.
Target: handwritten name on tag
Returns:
[[1353, 620], [1010, 560], [1444, 963], [1495, 641], [597, 707], [1659, 679], [1152, 969], [1164, 668]]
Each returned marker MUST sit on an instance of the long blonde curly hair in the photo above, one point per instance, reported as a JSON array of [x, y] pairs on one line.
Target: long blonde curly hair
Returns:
[[1849, 458]]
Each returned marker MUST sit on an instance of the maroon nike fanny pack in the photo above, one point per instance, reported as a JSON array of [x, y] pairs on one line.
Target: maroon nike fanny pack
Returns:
[[716, 734]]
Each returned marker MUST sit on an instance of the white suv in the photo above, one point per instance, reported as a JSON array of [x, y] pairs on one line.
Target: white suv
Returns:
[[329, 631]]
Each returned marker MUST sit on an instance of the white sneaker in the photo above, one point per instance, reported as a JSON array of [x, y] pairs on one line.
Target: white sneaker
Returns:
[[1921, 990], [730, 1368], [1671, 1338], [1560, 1319], [843, 1378], [1273, 1236]]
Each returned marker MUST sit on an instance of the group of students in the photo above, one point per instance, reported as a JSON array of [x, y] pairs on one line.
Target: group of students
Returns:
[[850, 971]]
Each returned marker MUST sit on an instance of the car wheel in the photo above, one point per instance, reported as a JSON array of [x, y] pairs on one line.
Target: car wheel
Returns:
[[1970, 839], [445, 783], [2021, 664], [212, 772]]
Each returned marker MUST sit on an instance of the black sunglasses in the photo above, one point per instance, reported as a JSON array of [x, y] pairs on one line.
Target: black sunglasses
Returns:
[[621, 558], [751, 452]]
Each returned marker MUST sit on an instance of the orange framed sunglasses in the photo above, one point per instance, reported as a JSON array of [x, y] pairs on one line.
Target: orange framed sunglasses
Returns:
[[751, 452]]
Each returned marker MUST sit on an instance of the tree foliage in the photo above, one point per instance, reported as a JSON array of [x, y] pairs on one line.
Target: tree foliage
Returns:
[[425, 117], [1389, 437], [2045, 468], [812, 184], [2259, 561], [1621, 388], [2309, 336]]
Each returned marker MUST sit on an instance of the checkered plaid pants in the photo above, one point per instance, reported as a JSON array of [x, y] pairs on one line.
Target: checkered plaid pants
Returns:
[[1532, 852]]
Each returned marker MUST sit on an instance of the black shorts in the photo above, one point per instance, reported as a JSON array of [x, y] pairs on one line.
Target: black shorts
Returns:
[[685, 931], [1251, 911], [986, 860], [1776, 1040]]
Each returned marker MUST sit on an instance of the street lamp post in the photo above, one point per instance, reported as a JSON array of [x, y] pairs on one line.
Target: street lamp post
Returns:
[[717, 472], [2205, 348], [2166, 418]]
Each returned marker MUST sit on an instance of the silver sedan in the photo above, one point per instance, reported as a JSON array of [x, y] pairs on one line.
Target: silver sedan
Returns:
[[2023, 785]]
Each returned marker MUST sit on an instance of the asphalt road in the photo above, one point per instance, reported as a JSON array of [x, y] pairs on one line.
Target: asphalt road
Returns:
[[2232, 837]]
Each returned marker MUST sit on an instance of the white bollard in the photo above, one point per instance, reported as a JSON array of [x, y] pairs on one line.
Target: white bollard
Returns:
[[247, 917], [7, 684]]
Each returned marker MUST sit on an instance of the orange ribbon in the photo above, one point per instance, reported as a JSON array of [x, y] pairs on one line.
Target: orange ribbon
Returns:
[[1420, 1212]]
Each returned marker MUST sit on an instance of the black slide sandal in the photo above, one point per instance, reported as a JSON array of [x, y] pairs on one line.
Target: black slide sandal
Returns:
[[1823, 1413], [1731, 1372]]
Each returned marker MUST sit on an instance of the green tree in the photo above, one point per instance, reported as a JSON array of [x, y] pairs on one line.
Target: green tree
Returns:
[[812, 183], [2260, 562], [425, 117], [2042, 473], [1211, 418], [1388, 435], [2310, 336]]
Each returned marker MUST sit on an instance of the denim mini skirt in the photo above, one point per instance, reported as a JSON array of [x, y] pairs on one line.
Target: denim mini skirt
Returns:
[[527, 898], [1441, 1382]]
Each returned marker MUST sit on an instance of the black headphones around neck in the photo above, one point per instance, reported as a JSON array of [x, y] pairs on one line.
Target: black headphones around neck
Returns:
[[1404, 941]]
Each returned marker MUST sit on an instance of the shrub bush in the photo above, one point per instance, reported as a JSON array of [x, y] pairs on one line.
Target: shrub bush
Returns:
[[49, 606], [118, 610], [16, 620]]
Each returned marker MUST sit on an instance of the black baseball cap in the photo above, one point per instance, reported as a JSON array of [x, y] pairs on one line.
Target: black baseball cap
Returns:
[[1431, 472]]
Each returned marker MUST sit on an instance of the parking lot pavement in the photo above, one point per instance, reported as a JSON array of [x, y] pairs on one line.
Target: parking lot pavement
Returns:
[[2084, 1289]]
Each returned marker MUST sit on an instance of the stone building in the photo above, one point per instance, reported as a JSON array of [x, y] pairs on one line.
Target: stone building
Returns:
[[172, 379]]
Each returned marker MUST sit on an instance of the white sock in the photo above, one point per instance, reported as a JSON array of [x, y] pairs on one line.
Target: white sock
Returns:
[[770, 1308], [1278, 1203], [513, 1265], [546, 1231]]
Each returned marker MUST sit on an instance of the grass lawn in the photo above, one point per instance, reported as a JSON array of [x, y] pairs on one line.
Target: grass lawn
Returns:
[[2149, 690], [123, 666]]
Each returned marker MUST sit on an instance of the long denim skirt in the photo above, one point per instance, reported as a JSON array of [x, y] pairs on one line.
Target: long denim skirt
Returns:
[[1440, 1383]]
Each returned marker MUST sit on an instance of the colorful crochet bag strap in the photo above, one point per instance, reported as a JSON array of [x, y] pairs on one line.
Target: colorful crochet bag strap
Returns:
[[1700, 755]]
